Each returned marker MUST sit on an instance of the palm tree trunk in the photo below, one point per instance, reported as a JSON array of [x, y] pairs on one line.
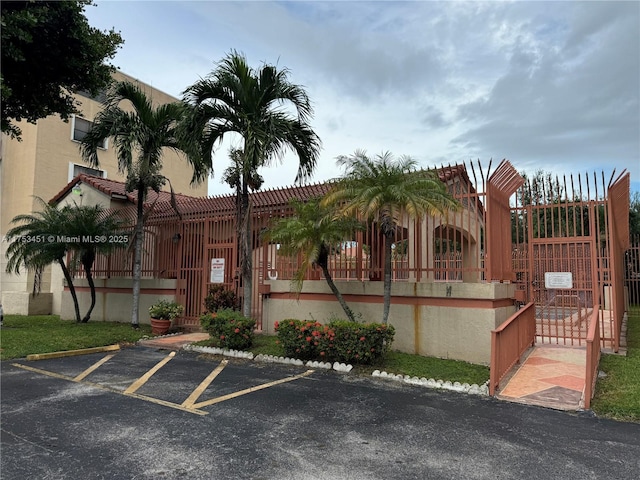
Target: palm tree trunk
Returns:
[[246, 254], [87, 262], [137, 259], [388, 241], [72, 289], [337, 293]]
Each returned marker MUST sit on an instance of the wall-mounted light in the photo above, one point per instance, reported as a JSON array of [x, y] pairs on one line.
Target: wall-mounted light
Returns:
[[76, 190], [176, 238]]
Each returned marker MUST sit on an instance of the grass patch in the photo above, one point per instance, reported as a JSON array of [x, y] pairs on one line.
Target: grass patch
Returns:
[[618, 395], [266, 345], [25, 335], [431, 367], [394, 362]]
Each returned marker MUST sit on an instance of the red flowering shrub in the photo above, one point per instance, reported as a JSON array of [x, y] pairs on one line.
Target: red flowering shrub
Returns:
[[295, 337], [339, 340], [360, 343], [229, 329]]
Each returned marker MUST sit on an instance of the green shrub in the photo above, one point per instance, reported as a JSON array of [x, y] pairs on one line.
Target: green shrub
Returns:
[[229, 328], [339, 340], [220, 298]]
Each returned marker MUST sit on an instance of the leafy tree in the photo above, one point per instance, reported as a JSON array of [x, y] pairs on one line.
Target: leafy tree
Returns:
[[634, 215], [311, 232], [381, 189], [49, 51], [237, 99], [139, 138], [31, 245]]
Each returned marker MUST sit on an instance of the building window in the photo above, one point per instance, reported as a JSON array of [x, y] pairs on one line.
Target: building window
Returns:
[[79, 129], [75, 170], [101, 97]]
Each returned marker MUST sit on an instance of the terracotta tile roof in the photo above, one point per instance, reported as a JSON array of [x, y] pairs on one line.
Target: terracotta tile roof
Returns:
[[114, 188], [266, 201], [263, 202]]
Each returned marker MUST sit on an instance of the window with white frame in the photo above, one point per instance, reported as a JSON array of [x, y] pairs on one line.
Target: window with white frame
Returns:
[[79, 129], [75, 170]]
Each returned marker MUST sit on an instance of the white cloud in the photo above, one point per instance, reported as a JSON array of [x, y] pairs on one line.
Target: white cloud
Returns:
[[547, 85]]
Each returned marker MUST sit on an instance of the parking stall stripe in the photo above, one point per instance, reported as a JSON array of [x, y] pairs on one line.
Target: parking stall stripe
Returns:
[[111, 389], [43, 372], [143, 379], [93, 367], [213, 401], [189, 402]]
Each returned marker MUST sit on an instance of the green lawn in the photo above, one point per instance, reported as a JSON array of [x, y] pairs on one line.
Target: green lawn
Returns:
[[618, 395], [21, 335]]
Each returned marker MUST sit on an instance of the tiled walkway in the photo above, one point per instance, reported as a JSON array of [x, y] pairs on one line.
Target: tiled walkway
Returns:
[[551, 376], [174, 342]]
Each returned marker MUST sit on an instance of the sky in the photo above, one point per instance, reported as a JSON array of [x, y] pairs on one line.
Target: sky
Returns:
[[547, 85]]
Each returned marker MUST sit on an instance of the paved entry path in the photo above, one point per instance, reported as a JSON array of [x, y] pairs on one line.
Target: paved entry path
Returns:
[[174, 342], [551, 376]]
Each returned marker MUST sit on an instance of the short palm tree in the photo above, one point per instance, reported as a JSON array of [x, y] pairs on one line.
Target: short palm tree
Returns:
[[312, 232], [140, 137], [94, 227], [34, 243], [382, 189], [236, 99]]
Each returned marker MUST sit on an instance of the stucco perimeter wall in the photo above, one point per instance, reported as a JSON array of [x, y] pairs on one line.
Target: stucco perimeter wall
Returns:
[[446, 320], [24, 303], [113, 298]]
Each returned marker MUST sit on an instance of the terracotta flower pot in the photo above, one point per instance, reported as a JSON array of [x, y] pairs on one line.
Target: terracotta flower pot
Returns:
[[160, 326]]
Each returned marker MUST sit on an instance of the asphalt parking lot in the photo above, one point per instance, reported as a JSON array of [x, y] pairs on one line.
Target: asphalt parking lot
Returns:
[[144, 414]]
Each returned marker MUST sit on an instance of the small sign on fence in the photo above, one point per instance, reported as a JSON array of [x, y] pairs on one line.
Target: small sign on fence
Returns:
[[217, 270], [558, 280]]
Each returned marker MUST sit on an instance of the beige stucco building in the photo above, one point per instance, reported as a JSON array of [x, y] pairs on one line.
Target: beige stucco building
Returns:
[[46, 159]]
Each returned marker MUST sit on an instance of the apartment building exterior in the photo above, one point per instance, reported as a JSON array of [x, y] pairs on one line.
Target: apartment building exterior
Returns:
[[47, 159]]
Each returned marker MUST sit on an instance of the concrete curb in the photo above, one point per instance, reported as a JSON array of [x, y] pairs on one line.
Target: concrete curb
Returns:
[[72, 353]]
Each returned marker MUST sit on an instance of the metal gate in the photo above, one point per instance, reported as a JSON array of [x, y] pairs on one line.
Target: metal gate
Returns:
[[564, 289], [569, 240]]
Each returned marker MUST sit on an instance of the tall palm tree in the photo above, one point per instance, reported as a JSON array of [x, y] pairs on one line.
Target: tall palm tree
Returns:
[[311, 232], [94, 227], [140, 137], [235, 98], [34, 244], [239, 175], [381, 189]]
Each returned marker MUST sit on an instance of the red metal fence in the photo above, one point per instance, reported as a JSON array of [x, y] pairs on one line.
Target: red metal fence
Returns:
[[447, 249], [555, 226]]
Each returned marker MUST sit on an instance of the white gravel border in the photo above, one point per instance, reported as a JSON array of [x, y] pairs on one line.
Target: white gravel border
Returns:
[[473, 389]]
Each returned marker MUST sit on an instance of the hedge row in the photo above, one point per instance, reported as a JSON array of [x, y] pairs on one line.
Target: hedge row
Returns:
[[341, 341]]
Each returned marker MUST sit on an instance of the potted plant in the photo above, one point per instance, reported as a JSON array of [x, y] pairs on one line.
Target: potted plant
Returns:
[[162, 314]]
